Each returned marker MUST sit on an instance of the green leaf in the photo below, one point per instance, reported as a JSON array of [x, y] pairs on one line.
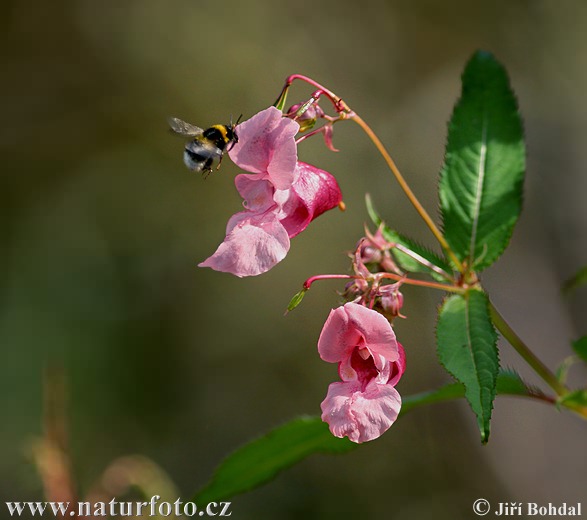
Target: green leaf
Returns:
[[482, 178], [576, 281], [580, 348], [467, 348], [509, 382], [406, 262], [575, 400], [261, 460]]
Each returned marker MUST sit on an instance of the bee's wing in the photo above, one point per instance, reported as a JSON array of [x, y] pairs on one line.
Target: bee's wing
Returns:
[[203, 148], [182, 128]]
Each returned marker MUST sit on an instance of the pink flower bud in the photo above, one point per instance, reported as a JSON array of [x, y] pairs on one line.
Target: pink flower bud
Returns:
[[391, 299], [305, 114]]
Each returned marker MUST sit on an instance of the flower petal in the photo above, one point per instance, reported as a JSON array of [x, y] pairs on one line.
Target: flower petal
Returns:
[[337, 339], [253, 245], [266, 144], [360, 416], [355, 325], [313, 192], [256, 190], [398, 367]]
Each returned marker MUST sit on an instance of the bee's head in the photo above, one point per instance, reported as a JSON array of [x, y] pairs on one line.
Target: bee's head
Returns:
[[231, 132]]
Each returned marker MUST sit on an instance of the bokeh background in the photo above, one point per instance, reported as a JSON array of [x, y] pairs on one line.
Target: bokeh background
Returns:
[[102, 228]]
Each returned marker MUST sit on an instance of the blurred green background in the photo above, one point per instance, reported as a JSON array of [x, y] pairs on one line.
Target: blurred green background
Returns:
[[102, 228]]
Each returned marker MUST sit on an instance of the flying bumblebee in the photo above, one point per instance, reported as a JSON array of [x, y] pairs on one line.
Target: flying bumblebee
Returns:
[[205, 145]]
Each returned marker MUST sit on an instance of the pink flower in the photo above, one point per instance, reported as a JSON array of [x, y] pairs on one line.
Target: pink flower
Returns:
[[267, 145], [370, 363], [281, 197]]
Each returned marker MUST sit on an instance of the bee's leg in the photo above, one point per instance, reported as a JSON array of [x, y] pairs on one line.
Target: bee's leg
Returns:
[[207, 170], [219, 162]]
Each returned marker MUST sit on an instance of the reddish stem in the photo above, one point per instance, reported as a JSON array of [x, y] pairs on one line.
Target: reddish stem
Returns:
[[308, 283]]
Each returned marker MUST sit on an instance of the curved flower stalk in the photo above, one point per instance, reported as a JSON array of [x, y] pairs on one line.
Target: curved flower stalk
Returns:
[[370, 363], [281, 196]]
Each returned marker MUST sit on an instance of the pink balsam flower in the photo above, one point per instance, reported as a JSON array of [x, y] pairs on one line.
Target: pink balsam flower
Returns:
[[370, 363], [281, 196]]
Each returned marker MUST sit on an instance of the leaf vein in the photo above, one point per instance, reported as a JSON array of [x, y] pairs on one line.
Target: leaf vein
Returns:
[[481, 168]]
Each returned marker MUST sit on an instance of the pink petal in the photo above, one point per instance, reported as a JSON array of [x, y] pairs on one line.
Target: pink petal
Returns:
[[328, 131], [360, 416], [253, 245], [398, 367], [337, 339], [266, 144], [313, 192], [256, 190], [355, 325]]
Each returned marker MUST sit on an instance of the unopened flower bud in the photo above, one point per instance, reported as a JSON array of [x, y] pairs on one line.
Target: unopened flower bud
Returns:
[[391, 299], [370, 255], [357, 287], [378, 240], [305, 114]]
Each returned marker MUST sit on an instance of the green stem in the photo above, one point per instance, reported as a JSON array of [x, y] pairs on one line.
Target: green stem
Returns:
[[455, 391], [521, 348]]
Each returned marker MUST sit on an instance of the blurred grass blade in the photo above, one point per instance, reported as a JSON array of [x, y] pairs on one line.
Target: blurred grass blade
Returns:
[[576, 281]]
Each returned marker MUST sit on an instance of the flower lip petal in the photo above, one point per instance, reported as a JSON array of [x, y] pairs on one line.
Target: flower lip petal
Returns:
[[360, 415], [252, 246]]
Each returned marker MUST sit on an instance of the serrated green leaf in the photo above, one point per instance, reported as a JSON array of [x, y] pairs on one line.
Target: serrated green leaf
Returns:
[[261, 460], [296, 300], [406, 262], [482, 178], [580, 347], [579, 279], [510, 383], [467, 348]]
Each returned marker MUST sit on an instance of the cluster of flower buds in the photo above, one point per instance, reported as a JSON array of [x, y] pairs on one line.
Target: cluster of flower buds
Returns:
[[371, 289]]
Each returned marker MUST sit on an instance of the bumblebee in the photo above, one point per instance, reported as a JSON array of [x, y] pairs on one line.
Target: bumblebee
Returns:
[[205, 145]]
